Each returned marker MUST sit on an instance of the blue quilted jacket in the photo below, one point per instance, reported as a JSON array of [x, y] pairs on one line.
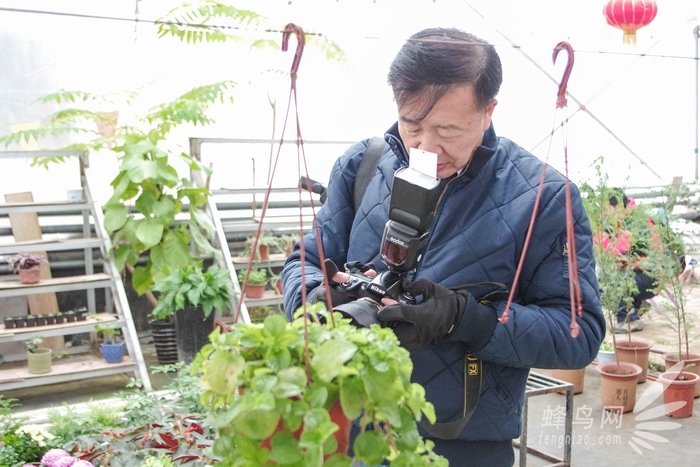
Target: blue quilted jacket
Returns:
[[477, 236]]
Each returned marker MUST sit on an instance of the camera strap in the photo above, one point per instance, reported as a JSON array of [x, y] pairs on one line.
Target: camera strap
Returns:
[[367, 168], [485, 293], [472, 390]]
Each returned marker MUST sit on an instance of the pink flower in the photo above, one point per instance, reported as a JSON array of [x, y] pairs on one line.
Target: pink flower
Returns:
[[65, 462], [82, 463], [52, 455]]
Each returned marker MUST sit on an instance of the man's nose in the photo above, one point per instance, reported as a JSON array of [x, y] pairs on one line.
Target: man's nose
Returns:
[[429, 143]]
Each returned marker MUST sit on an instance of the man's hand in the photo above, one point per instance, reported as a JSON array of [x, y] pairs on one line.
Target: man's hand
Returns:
[[335, 276], [416, 326]]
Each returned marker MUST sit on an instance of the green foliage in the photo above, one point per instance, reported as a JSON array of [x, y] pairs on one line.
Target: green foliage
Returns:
[[192, 286], [25, 444], [255, 377], [33, 343], [611, 228], [67, 423], [160, 461], [256, 277], [665, 266], [205, 21], [108, 331]]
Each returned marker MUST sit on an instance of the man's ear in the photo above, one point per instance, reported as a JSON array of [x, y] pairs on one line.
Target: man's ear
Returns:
[[488, 113]]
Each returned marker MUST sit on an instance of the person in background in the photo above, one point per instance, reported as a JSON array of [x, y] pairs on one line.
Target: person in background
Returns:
[[445, 83], [630, 244]]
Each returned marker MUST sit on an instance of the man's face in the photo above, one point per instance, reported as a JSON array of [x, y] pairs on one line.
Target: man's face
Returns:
[[452, 130]]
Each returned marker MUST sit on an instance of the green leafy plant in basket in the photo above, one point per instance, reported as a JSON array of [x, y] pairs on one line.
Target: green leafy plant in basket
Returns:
[[273, 387], [192, 286]]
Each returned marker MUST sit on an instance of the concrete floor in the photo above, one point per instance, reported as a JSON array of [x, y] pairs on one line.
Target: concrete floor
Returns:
[[645, 438]]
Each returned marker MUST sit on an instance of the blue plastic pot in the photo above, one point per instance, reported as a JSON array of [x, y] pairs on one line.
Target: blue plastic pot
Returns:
[[113, 350]]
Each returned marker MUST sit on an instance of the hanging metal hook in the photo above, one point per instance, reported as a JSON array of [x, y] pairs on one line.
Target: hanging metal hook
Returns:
[[561, 95], [301, 41]]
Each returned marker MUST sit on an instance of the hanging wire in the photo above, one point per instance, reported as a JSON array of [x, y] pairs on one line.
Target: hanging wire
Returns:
[[138, 20]]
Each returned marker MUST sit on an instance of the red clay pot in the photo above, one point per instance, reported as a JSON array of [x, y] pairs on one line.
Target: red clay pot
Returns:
[[692, 365], [681, 387], [254, 290], [342, 436], [29, 276]]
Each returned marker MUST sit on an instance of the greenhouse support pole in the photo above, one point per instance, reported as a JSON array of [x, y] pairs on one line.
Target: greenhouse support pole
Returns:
[[696, 31]]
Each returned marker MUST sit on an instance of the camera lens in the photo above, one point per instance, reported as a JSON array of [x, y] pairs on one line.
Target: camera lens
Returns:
[[362, 312]]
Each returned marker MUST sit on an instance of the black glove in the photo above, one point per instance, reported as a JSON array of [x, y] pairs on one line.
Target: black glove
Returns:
[[416, 326]]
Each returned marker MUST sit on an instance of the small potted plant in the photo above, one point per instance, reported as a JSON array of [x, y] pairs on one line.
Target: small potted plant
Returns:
[[51, 318], [288, 390], [9, 322], [38, 358], [70, 316], [190, 295], [255, 286], [30, 320], [40, 320], [28, 266], [60, 317], [287, 242], [113, 349], [260, 250]]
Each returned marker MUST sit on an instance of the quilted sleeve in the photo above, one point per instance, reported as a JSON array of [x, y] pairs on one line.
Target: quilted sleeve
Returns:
[[537, 333], [335, 220]]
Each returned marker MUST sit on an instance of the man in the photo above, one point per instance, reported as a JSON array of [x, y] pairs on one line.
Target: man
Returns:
[[445, 82]]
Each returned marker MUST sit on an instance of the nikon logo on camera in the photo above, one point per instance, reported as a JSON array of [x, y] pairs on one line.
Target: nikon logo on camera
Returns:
[[374, 288], [397, 241]]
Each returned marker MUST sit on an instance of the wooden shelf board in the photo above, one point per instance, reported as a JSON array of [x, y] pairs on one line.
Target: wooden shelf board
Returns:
[[51, 245], [270, 297], [15, 375], [20, 334], [58, 284]]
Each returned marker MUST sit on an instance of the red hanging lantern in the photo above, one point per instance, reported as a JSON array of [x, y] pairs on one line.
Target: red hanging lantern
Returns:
[[630, 15]]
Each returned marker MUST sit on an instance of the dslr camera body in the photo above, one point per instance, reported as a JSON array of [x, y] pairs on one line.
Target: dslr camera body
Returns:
[[414, 197]]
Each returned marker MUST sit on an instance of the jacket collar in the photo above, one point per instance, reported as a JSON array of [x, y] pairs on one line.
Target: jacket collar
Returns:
[[480, 157]]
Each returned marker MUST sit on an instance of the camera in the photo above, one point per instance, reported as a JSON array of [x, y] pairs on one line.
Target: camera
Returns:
[[414, 197]]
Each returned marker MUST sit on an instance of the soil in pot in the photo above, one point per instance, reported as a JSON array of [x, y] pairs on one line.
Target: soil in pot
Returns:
[[635, 351], [574, 377], [618, 386], [681, 388], [692, 365]]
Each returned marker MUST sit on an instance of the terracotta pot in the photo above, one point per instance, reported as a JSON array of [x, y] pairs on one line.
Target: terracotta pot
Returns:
[[692, 365], [618, 385], [342, 435], [264, 253], [574, 377], [681, 388], [29, 276], [635, 351], [254, 290]]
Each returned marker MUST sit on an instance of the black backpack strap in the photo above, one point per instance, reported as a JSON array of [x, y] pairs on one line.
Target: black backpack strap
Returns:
[[367, 168]]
